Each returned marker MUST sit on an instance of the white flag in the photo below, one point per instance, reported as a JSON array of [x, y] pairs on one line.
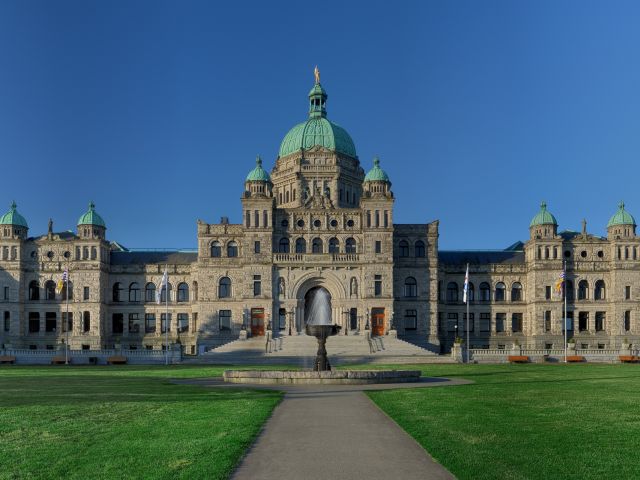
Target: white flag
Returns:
[[466, 285], [163, 284]]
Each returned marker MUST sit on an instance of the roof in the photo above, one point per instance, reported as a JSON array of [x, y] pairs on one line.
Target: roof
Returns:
[[621, 217], [376, 174], [258, 174], [146, 257], [91, 217], [12, 217], [480, 257], [543, 217]]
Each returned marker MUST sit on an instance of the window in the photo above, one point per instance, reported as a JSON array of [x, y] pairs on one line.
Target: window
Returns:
[[183, 292], [500, 292], [257, 285], [334, 246], [256, 247], [66, 286], [117, 292], [34, 290], [50, 290], [150, 292], [282, 318], [224, 287], [34, 322], [50, 322], [410, 287], [67, 323], [547, 292], [86, 321], [377, 285], [316, 245], [627, 320], [224, 317], [378, 246], [165, 323], [464, 322], [516, 292], [6, 293], [547, 321], [232, 249], [570, 292], [452, 292], [134, 292], [350, 245], [150, 323], [403, 248], [583, 321], [134, 323], [301, 245], [568, 321], [85, 293], [583, 290], [216, 249], [117, 323], [471, 292], [500, 321], [485, 322], [410, 319], [353, 318], [183, 322], [419, 248], [516, 322], [7, 321], [599, 293], [485, 292], [163, 293], [452, 322], [627, 292], [283, 245], [600, 321]]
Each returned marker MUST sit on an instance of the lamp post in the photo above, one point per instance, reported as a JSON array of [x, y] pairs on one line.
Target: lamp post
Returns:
[[290, 320], [346, 321], [366, 325]]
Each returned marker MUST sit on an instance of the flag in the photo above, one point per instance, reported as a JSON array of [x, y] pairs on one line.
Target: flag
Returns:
[[466, 286], [560, 283], [62, 281], [163, 284]]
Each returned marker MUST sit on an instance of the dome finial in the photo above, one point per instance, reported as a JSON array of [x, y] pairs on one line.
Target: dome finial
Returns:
[[92, 206], [376, 161], [316, 74], [543, 205], [14, 206], [258, 161], [621, 205]]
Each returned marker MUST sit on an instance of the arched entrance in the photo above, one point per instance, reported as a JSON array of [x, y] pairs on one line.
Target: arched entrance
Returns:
[[317, 306]]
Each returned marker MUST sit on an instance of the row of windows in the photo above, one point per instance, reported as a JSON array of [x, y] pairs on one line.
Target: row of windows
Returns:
[[584, 324], [500, 295], [50, 290], [418, 248], [150, 292], [599, 291], [51, 322], [136, 325], [317, 245], [457, 324]]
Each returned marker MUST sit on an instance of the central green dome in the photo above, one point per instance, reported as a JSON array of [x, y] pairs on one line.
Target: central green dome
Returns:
[[317, 130]]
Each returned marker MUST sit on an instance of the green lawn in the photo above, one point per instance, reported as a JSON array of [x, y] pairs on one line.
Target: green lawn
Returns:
[[123, 422], [526, 421]]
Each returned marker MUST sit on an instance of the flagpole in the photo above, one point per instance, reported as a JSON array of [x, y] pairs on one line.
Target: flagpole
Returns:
[[166, 326], [564, 289], [467, 295], [66, 346]]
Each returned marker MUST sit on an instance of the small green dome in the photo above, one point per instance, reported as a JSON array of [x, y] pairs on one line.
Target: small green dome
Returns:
[[544, 217], [91, 217], [621, 217], [376, 174], [12, 217], [258, 174]]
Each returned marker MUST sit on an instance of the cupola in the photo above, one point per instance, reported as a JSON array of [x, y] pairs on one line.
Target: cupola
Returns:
[[376, 181], [544, 224], [258, 181], [621, 224], [12, 224], [91, 224]]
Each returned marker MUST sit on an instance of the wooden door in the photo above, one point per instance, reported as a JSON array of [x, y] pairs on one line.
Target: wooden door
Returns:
[[377, 321], [257, 321]]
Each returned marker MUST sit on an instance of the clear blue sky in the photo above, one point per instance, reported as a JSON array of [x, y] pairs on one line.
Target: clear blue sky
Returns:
[[478, 110]]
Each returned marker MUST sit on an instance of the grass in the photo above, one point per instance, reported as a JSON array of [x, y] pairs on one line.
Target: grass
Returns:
[[526, 421], [124, 422]]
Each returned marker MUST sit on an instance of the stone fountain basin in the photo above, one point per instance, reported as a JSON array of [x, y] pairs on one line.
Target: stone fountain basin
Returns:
[[335, 377], [322, 331]]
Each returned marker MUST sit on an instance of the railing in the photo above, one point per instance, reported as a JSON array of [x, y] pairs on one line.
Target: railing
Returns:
[[27, 356], [556, 354], [315, 257]]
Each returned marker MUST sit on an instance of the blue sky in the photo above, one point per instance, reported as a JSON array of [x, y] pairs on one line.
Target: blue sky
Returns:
[[478, 110]]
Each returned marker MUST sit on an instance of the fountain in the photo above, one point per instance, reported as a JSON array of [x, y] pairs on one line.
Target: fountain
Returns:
[[319, 325]]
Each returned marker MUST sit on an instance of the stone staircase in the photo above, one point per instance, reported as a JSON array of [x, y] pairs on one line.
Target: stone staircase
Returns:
[[300, 350]]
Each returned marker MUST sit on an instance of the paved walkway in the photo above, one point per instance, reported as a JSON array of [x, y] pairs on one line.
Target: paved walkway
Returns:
[[331, 432]]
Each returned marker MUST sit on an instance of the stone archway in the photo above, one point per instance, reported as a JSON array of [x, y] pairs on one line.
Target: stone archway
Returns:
[[303, 286]]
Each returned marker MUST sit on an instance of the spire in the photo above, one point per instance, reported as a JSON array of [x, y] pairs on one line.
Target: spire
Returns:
[[317, 98]]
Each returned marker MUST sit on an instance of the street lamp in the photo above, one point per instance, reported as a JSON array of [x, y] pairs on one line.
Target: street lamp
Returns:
[[346, 321], [366, 325]]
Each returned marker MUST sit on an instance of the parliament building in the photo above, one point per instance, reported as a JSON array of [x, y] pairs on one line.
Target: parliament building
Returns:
[[317, 220]]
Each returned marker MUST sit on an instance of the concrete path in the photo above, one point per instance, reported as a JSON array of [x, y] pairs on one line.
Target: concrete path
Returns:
[[332, 432]]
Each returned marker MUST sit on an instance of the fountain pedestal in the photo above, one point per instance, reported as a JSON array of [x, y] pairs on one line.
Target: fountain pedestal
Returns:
[[321, 332]]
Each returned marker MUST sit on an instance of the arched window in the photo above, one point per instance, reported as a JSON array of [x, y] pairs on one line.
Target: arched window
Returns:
[[452, 292], [216, 250], [301, 245], [403, 248], [411, 287], [471, 292], [150, 292], [34, 290], [117, 292], [350, 245], [485, 292], [163, 293], [224, 287], [134, 292], [50, 290], [183, 292], [583, 290], [419, 248], [232, 249], [283, 245], [500, 292], [570, 292], [334, 246], [516, 292], [316, 245], [599, 293]]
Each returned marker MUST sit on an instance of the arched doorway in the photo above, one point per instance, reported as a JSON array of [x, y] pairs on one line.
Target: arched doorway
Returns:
[[317, 306]]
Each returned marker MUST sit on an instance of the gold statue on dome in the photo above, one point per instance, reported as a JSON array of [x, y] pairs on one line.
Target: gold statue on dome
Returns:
[[316, 73]]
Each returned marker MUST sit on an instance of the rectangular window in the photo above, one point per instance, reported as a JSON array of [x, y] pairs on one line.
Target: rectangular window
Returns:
[[471, 322], [600, 321], [134, 323], [282, 318], [183, 322], [485, 322], [500, 321], [265, 220], [547, 321], [34, 322], [85, 293], [224, 317], [410, 319], [256, 218], [377, 285], [68, 323], [583, 321], [6, 293], [50, 322], [257, 285], [569, 322], [7, 321], [165, 326], [516, 322], [452, 322], [150, 323], [378, 246], [627, 292], [627, 320], [86, 347], [86, 322], [117, 323], [547, 292], [256, 247]]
